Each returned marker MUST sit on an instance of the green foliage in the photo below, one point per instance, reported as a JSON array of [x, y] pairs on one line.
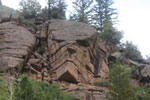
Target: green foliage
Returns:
[[142, 93], [41, 50], [28, 89], [30, 8], [103, 11], [28, 22], [82, 10], [103, 84], [4, 90], [56, 9], [111, 35], [120, 88], [131, 51]]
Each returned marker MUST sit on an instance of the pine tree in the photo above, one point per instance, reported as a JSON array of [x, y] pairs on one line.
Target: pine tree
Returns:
[[30, 8], [57, 9], [83, 10], [103, 12], [104, 19], [120, 88]]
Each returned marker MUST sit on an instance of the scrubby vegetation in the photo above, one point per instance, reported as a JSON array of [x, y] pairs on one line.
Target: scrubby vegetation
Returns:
[[4, 90], [27, 89], [121, 88], [120, 85], [131, 51]]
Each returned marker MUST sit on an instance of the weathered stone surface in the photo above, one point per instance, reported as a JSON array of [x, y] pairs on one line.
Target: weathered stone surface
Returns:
[[145, 71], [74, 53], [70, 31], [115, 55], [14, 44], [8, 16]]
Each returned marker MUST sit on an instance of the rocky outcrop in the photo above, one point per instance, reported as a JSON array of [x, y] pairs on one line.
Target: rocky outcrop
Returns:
[[69, 52], [15, 42], [7, 14], [59, 51]]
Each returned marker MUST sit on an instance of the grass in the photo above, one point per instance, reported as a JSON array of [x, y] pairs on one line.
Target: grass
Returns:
[[102, 84]]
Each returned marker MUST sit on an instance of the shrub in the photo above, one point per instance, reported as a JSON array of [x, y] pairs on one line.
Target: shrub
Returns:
[[131, 51], [120, 88], [28, 89], [28, 22], [142, 93], [4, 90], [110, 34]]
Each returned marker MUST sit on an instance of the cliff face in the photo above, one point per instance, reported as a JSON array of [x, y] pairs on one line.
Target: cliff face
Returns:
[[63, 52], [14, 43], [58, 51], [67, 51]]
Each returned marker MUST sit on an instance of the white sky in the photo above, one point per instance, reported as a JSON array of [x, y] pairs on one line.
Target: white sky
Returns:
[[134, 20]]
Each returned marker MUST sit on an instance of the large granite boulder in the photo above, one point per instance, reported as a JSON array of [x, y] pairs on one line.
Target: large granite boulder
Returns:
[[68, 51], [15, 42], [70, 31], [7, 14]]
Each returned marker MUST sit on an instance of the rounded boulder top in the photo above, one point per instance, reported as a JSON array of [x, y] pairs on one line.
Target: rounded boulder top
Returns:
[[70, 31]]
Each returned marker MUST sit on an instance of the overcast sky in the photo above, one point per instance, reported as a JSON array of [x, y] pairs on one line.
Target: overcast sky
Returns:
[[134, 20]]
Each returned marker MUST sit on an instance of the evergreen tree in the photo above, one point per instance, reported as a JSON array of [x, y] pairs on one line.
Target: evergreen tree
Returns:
[[30, 8], [83, 10], [57, 9], [110, 34], [120, 88], [103, 20], [131, 51], [103, 12]]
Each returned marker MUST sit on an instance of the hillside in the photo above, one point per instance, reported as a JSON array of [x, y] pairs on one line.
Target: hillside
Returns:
[[63, 52]]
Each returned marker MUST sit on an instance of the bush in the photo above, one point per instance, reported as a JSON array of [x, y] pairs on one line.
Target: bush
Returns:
[[28, 22], [110, 34], [28, 89], [142, 93], [120, 88], [131, 51], [4, 90]]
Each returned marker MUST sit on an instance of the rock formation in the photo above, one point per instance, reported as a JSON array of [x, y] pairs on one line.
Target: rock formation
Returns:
[[14, 44], [58, 51], [70, 52]]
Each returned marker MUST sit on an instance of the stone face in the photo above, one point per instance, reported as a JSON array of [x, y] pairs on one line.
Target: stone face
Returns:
[[70, 31], [14, 44], [69, 52], [64, 52], [74, 53]]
